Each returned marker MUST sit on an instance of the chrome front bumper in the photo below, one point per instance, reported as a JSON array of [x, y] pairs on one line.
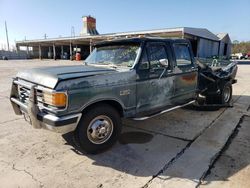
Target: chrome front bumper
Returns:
[[50, 122], [39, 119]]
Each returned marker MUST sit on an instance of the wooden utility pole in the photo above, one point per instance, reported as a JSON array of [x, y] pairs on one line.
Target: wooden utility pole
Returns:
[[6, 30]]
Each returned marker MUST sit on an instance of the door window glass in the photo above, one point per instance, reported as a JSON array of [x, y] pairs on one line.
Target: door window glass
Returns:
[[155, 53]]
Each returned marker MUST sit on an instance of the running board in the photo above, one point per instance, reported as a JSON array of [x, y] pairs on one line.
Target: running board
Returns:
[[164, 111]]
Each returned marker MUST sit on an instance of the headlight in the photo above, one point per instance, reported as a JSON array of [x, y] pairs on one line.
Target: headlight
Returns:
[[58, 99]]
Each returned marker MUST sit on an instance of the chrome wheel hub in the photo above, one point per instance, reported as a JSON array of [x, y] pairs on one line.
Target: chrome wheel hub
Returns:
[[100, 129]]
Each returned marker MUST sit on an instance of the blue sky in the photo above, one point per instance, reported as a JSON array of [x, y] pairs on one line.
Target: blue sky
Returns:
[[34, 18]]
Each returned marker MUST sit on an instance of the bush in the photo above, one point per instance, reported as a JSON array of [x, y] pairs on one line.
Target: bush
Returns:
[[242, 47]]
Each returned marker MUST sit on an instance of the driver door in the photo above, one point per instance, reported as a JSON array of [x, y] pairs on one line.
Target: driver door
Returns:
[[155, 84]]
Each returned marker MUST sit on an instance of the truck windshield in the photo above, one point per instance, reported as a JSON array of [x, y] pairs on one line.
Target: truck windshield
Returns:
[[114, 55]]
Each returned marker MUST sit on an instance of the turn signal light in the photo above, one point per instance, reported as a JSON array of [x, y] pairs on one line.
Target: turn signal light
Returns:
[[58, 99]]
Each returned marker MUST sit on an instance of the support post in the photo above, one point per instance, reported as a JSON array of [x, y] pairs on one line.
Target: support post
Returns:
[[70, 51], [61, 51], [49, 55], [17, 48], [90, 45], [54, 52], [40, 52], [27, 49]]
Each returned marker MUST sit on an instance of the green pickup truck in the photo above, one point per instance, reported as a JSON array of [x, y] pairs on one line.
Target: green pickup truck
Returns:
[[136, 78]]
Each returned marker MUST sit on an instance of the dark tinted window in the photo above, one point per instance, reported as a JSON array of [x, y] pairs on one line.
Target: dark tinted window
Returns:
[[182, 54]]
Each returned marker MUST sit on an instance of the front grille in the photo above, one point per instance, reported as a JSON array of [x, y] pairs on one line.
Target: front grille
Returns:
[[39, 96], [24, 94]]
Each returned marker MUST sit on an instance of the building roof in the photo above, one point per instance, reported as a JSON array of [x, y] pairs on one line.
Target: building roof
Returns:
[[224, 37], [153, 31], [139, 40], [201, 32], [85, 39]]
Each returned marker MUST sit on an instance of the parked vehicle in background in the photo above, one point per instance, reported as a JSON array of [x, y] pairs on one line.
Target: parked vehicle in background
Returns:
[[248, 55], [135, 78], [239, 56]]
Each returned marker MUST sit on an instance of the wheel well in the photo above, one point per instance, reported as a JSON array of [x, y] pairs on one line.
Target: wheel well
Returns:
[[112, 103]]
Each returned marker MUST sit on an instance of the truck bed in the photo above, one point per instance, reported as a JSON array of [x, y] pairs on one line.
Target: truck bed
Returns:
[[214, 74]]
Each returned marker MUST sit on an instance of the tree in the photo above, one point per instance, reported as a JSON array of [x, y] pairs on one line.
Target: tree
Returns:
[[241, 47], [235, 42]]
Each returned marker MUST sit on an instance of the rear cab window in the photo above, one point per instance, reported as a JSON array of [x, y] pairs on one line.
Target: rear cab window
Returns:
[[182, 54]]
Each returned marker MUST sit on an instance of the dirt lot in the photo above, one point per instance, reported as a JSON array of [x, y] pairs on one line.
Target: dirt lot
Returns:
[[183, 148]]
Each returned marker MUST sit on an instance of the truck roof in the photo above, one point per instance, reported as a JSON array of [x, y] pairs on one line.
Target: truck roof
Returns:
[[139, 40]]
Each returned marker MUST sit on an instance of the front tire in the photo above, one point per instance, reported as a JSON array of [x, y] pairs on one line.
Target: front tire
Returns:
[[98, 128]]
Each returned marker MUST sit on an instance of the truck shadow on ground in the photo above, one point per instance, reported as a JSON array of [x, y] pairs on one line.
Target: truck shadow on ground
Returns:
[[145, 154]]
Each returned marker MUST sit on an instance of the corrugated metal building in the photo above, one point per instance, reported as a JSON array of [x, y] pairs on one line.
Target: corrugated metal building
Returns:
[[225, 44], [204, 43]]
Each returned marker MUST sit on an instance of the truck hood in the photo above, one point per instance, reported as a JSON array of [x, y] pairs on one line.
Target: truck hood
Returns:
[[50, 76]]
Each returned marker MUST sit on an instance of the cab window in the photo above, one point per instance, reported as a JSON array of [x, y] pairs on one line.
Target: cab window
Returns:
[[156, 52], [182, 54]]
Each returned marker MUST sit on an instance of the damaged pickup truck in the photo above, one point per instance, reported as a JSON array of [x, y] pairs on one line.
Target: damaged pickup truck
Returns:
[[134, 78]]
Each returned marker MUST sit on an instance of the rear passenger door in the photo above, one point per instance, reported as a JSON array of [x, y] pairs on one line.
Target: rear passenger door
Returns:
[[186, 73]]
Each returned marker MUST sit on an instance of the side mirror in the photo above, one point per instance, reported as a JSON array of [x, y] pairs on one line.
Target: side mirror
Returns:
[[164, 62]]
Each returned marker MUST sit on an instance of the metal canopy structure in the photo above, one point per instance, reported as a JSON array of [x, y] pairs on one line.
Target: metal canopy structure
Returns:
[[204, 42]]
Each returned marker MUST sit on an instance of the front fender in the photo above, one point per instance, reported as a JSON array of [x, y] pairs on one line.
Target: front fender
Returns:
[[98, 100]]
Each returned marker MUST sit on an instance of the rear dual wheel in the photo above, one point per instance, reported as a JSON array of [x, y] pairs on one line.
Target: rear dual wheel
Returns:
[[226, 94], [224, 97]]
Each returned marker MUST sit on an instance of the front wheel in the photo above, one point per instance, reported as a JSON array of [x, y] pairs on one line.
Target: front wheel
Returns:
[[98, 128]]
